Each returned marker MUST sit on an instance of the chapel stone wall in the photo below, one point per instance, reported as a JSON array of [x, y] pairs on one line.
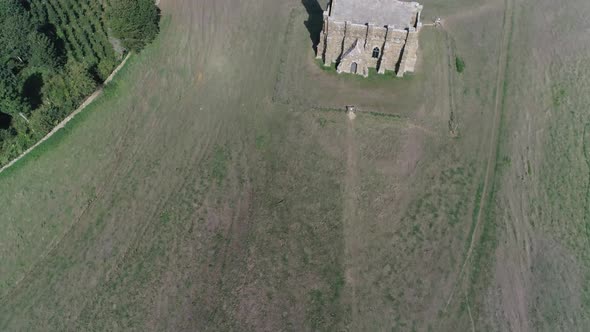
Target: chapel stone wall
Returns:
[[398, 46], [334, 38]]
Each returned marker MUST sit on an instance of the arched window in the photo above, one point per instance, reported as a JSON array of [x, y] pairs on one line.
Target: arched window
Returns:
[[376, 53]]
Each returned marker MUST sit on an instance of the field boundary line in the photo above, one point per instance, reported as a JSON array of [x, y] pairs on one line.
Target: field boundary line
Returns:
[[65, 121], [469, 312], [293, 13], [350, 218], [586, 148], [503, 60]]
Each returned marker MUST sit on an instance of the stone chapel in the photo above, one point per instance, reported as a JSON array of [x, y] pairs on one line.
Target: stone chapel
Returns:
[[362, 34]]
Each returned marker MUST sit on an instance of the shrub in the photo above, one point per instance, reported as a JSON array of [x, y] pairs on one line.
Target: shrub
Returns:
[[134, 22], [42, 121], [65, 90], [459, 64], [11, 101]]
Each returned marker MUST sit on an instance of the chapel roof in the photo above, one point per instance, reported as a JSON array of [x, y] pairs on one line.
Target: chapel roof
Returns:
[[379, 12]]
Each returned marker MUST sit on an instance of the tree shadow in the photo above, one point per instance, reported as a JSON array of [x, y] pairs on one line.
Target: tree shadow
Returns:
[[315, 21], [95, 73], [32, 90], [26, 5], [50, 31], [5, 121]]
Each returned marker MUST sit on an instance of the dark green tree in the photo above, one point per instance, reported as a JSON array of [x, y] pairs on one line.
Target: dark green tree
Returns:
[[43, 53], [56, 93], [15, 28], [65, 90], [11, 101], [43, 119], [134, 22], [22, 44], [80, 82]]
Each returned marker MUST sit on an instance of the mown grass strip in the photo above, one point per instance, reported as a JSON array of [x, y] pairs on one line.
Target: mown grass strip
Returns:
[[483, 252]]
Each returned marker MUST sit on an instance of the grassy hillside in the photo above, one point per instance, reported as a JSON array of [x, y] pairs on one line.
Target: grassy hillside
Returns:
[[219, 185]]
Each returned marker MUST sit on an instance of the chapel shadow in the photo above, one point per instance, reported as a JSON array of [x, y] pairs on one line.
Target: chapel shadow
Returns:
[[314, 21]]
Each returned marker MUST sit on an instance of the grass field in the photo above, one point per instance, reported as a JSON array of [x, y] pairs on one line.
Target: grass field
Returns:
[[218, 184]]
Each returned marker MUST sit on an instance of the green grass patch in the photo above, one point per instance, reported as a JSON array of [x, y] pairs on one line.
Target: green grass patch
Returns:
[[219, 164], [330, 69], [261, 141], [459, 64], [482, 255], [474, 215], [324, 307], [165, 217], [558, 95]]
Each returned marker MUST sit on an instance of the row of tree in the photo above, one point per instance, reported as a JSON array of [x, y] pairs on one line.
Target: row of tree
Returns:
[[54, 54]]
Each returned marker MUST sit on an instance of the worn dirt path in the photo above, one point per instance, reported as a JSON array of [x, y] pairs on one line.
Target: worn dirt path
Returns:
[[65, 121], [351, 222], [494, 137]]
